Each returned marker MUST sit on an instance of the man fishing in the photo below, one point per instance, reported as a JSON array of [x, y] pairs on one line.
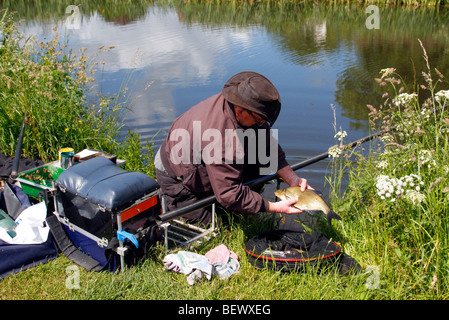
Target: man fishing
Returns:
[[199, 157]]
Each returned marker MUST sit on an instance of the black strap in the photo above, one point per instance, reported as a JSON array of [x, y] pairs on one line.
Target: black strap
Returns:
[[68, 248]]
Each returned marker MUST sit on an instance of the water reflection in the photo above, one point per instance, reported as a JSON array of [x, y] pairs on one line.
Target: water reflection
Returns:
[[172, 54]]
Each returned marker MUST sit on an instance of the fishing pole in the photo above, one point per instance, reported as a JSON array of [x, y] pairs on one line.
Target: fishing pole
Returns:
[[210, 199], [15, 167], [324, 155]]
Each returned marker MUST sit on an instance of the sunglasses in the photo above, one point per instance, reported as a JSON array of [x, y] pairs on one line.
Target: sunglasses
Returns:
[[259, 123]]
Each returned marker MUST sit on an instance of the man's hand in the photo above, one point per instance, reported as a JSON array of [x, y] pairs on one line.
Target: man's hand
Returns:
[[292, 179], [301, 182], [284, 206]]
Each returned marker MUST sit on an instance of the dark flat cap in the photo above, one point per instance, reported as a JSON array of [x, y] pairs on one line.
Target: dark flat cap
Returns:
[[254, 92]]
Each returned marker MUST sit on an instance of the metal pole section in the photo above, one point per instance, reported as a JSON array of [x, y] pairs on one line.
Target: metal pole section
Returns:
[[181, 211], [15, 166], [209, 200], [120, 249]]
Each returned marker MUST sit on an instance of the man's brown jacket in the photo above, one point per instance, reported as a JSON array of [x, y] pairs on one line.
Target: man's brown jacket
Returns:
[[196, 130]]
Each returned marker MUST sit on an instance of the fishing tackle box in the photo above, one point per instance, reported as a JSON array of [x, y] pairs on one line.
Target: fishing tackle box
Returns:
[[107, 212], [36, 180]]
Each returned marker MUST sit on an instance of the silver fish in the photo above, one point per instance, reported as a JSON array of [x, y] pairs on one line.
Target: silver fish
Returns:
[[307, 200]]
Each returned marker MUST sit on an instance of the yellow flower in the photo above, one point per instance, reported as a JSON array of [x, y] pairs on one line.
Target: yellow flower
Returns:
[[66, 129]]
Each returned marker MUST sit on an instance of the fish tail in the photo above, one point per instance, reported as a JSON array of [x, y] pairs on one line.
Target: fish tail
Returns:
[[332, 215]]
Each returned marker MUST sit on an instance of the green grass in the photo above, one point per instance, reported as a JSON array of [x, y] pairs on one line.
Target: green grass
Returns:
[[149, 280]]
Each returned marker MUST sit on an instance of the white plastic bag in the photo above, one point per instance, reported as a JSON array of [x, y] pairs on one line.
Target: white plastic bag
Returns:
[[31, 226]]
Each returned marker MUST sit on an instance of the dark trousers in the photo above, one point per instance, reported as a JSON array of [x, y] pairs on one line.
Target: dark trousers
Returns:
[[177, 196]]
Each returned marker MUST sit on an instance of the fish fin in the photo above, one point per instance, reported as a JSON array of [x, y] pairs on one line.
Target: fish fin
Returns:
[[332, 215]]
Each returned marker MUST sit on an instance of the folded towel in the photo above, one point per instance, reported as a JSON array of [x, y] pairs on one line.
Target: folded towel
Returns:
[[219, 261]]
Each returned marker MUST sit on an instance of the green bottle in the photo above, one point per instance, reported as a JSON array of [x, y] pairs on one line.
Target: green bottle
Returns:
[[7, 223]]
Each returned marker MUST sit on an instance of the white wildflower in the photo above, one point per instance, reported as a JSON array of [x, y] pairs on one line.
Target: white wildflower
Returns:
[[426, 112], [340, 135], [385, 138], [442, 95], [382, 164], [414, 197], [425, 156], [335, 152], [393, 188], [385, 186], [404, 98]]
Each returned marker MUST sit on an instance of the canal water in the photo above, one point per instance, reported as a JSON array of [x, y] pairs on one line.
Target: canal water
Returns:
[[172, 54]]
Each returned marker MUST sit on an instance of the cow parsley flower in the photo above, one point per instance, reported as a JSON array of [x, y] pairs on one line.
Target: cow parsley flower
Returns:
[[414, 197], [393, 188], [426, 112], [425, 157], [442, 95], [404, 98], [340, 135], [335, 152], [382, 164], [385, 186]]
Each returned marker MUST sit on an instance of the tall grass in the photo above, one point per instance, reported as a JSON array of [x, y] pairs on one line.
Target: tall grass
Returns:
[[406, 3], [397, 200], [49, 83]]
